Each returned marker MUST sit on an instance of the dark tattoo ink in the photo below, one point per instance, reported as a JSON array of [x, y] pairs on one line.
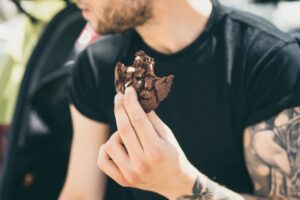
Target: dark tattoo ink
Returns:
[[272, 153], [197, 192], [206, 189]]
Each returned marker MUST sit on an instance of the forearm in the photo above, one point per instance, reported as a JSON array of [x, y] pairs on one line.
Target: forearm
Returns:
[[74, 195], [76, 188], [77, 194], [204, 188], [251, 197]]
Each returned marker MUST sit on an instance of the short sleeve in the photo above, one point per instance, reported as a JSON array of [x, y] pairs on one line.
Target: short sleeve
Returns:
[[83, 89], [273, 84]]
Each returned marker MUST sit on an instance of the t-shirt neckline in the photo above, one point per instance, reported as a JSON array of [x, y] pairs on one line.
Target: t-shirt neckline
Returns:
[[199, 41]]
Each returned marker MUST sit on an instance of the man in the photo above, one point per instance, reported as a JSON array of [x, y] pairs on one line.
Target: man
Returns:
[[229, 128]]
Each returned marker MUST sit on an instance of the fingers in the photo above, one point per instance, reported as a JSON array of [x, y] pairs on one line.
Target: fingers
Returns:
[[109, 167], [126, 130], [139, 120], [114, 161], [116, 151]]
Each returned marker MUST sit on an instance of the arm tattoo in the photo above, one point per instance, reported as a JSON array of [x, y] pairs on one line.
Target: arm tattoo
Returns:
[[272, 151], [206, 189], [198, 192]]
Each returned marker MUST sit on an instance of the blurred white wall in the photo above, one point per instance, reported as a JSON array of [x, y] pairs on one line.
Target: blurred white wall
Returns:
[[7, 10], [285, 15]]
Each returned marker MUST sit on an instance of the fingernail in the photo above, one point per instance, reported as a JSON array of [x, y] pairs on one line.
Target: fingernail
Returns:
[[119, 97]]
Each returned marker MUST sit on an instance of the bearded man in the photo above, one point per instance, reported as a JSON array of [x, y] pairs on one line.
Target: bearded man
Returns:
[[229, 127]]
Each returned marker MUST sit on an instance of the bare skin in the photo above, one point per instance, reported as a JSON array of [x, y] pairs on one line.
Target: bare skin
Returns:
[[188, 24], [84, 180]]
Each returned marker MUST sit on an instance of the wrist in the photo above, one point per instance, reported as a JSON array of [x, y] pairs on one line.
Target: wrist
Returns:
[[185, 184]]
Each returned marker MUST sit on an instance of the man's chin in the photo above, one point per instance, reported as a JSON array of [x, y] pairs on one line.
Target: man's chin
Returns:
[[102, 30]]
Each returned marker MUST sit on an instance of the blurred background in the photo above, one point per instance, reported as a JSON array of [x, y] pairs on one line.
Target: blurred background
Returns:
[[19, 33], [37, 38]]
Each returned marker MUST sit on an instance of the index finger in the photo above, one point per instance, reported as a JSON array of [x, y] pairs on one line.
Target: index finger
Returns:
[[126, 131], [139, 119]]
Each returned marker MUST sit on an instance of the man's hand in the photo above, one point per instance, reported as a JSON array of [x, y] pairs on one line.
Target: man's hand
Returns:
[[144, 153]]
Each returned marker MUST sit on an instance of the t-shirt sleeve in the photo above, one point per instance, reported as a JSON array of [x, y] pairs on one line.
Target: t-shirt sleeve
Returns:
[[273, 84], [83, 88]]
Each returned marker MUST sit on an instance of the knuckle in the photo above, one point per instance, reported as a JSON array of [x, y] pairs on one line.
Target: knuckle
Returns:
[[138, 121], [155, 156], [118, 106], [141, 168], [115, 138], [109, 146], [133, 178], [176, 153], [124, 130], [100, 163], [123, 183]]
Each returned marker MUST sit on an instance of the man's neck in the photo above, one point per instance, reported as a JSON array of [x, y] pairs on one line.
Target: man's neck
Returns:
[[175, 25]]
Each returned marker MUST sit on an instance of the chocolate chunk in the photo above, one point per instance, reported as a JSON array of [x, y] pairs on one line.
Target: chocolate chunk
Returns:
[[151, 90]]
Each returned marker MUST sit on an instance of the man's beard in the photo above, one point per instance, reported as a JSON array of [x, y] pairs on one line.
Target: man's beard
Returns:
[[127, 15]]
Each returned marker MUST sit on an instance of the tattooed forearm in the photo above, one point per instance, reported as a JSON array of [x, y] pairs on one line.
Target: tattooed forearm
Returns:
[[249, 197], [198, 192], [273, 157], [207, 189]]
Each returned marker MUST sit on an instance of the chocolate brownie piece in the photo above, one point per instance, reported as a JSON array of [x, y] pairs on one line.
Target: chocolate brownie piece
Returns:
[[151, 90]]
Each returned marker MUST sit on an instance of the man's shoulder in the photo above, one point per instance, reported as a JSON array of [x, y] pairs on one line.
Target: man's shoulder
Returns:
[[254, 28], [109, 49], [258, 37]]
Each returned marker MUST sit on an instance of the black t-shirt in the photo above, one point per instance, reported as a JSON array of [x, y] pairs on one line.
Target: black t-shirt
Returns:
[[239, 71]]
